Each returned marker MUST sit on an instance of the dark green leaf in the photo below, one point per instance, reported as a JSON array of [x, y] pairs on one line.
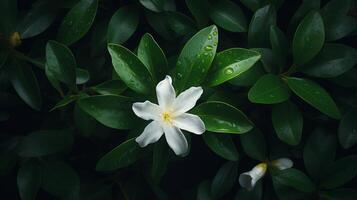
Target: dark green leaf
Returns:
[[199, 10], [295, 179], [347, 131], [158, 5], [339, 194], [8, 13], [204, 191], [160, 160], [77, 22], [121, 156], [254, 144], [29, 178], [269, 89], [180, 23], [223, 118], [231, 63], [65, 101], [84, 122], [309, 38], [338, 27], [253, 5], [249, 77], [130, 69], [280, 46], [82, 76], [123, 24], [224, 179], [305, 7], [45, 142], [229, 16], [287, 122], [315, 95], [222, 145], [110, 87]]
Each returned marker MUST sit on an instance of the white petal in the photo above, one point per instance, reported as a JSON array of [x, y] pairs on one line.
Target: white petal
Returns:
[[249, 179], [147, 110], [176, 139], [187, 100], [189, 122], [165, 92], [151, 134], [282, 163]]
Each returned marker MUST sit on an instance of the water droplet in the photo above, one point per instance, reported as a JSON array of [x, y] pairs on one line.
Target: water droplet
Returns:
[[215, 32], [179, 75], [210, 37], [178, 62], [214, 43], [228, 71], [271, 96], [205, 53], [208, 48], [198, 55], [203, 61], [202, 70]]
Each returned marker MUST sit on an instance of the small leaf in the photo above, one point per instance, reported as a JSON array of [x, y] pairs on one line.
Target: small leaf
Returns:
[[254, 145], [130, 69], [287, 122], [309, 38], [295, 179], [111, 110], [77, 22], [61, 63], [229, 16], [269, 89], [45, 142], [121, 156], [82, 76], [180, 23], [347, 131], [65, 101], [231, 63], [195, 58], [29, 180], [280, 46], [315, 95], [110, 87], [249, 77], [123, 24], [222, 145], [223, 118], [224, 179]]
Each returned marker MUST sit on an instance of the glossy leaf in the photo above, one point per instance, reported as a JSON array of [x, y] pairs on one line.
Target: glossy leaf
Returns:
[[302, 11], [287, 122], [158, 5], [231, 63], [333, 60], [222, 145], [121, 156], [229, 16], [314, 95], [110, 87], [254, 144], [123, 24], [160, 160], [224, 180], [204, 191], [295, 179], [223, 118], [195, 58], [29, 178], [82, 76], [61, 63], [111, 110], [347, 130], [180, 23], [77, 22], [130, 69], [309, 38], [269, 89], [199, 10], [253, 5], [249, 77], [65, 101], [280, 46]]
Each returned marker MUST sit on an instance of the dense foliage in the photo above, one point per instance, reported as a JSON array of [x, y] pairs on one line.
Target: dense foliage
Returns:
[[279, 80]]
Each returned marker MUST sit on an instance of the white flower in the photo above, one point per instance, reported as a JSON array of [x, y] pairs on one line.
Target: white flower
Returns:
[[170, 116], [249, 179]]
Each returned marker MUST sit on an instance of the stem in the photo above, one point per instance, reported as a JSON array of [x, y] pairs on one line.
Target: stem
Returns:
[[290, 71], [37, 63]]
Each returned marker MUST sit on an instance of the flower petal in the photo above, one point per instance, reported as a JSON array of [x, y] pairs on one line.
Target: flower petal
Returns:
[[249, 179], [147, 110], [176, 139], [187, 100], [189, 122], [282, 163], [165, 92], [151, 134]]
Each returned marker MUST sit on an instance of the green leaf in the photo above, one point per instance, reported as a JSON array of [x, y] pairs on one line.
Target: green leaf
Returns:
[[25, 83], [111, 110], [180, 23], [314, 95], [110, 87], [130, 69], [158, 5], [224, 180], [159, 23], [287, 122], [77, 22], [305, 8], [229, 16], [321, 145], [269, 89], [337, 27], [152, 56], [339, 194], [195, 58], [204, 191], [347, 79], [231, 63], [222, 145], [340, 172], [82, 76], [45, 142], [280, 46], [333, 60], [86, 124], [199, 10], [160, 160], [249, 77], [60, 180], [347, 130], [61, 63], [29, 178], [221, 117], [254, 145], [121, 156], [309, 38], [295, 179], [253, 5], [65, 101], [123, 24], [259, 26], [37, 20]]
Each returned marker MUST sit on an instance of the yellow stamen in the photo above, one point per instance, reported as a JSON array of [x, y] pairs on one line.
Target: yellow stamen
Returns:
[[15, 39], [263, 166], [166, 117]]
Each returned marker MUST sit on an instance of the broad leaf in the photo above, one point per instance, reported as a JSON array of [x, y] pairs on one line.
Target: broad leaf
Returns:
[[347, 131], [224, 180], [199, 10], [295, 179], [222, 145], [29, 178], [254, 144]]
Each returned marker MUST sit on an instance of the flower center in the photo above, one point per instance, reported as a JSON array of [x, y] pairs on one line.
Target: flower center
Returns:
[[166, 117]]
